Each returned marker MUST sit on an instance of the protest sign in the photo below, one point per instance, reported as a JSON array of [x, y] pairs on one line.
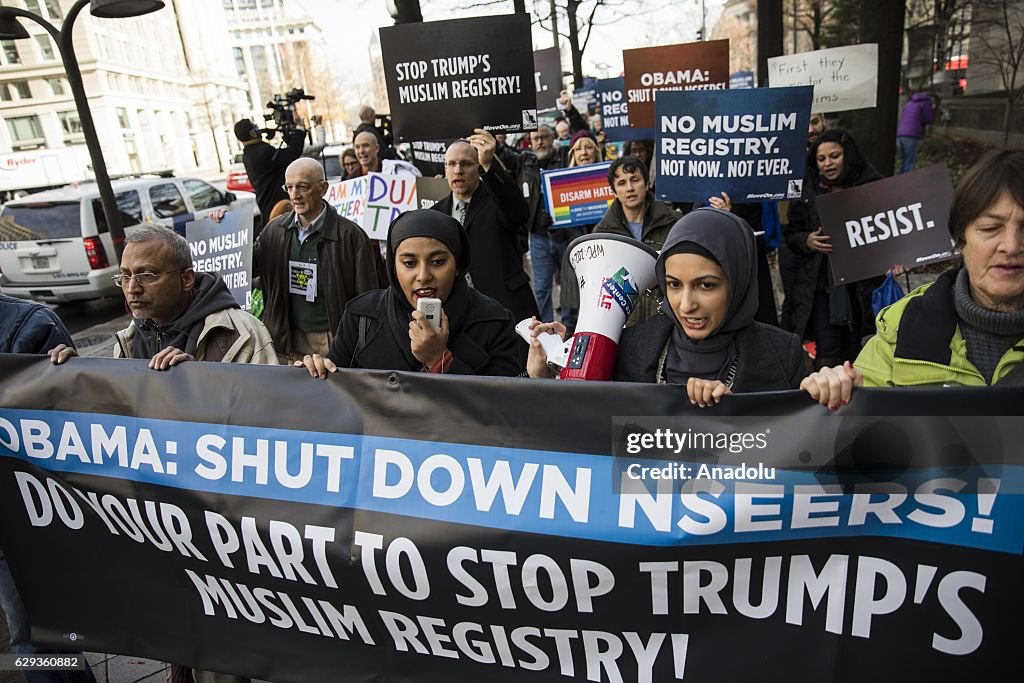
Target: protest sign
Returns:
[[225, 248], [689, 66], [899, 220], [430, 191], [380, 542], [445, 78], [740, 80], [611, 95], [577, 196], [428, 157], [372, 201], [547, 75], [844, 78], [751, 144]]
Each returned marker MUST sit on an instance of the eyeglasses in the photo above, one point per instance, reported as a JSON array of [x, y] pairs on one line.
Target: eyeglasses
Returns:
[[141, 279], [461, 164], [301, 188]]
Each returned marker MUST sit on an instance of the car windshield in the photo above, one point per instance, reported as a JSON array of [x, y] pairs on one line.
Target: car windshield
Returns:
[[40, 221]]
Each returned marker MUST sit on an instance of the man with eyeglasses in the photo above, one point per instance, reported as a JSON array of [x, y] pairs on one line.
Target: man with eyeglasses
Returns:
[[178, 314], [485, 199], [311, 262]]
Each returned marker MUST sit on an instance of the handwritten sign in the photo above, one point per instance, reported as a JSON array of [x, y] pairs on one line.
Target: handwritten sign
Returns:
[[373, 201], [844, 78]]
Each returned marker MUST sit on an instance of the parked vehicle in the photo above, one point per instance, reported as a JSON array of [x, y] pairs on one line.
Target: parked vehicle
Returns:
[[56, 246], [238, 179]]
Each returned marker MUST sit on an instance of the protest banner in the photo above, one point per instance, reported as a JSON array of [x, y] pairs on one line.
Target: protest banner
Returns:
[[225, 248], [844, 78], [576, 196], [445, 78], [611, 95], [372, 201], [689, 66], [353, 533], [899, 220], [751, 144], [430, 191], [547, 64], [428, 157]]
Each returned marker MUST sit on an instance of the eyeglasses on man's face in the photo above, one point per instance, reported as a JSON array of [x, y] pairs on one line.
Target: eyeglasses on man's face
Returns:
[[301, 188], [141, 279]]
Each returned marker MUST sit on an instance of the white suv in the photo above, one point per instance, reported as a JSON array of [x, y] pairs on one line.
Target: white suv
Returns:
[[55, 245]]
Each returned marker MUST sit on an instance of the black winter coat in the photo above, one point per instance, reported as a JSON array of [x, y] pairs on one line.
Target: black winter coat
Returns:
[[485, 344], [769, 359], [495, 214], [814, 270]]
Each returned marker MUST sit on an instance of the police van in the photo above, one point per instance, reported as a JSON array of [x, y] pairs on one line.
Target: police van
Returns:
[[55, 246]]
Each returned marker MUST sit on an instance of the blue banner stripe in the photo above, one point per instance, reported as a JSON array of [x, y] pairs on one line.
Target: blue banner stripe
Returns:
[[554, 493]]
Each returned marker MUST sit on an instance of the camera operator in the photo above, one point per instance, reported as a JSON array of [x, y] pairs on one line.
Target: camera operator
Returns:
[[265, 163]]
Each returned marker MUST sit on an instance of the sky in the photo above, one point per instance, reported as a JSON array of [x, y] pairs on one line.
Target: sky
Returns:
[[348, 25]]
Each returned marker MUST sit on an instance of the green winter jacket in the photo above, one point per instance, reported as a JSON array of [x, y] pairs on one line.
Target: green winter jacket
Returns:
[[918, 343]]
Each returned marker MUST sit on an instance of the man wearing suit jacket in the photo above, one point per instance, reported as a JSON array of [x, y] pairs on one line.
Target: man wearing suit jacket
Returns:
[[486, 201]]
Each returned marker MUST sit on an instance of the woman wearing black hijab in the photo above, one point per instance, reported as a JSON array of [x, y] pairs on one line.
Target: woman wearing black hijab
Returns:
[[427, 257], [837, 317], [706, 337]]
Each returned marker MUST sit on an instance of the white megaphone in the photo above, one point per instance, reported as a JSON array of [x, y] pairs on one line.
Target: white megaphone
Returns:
[[613, 273]]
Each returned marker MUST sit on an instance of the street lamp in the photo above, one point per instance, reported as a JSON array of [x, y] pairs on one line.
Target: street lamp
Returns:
[[11, 29]]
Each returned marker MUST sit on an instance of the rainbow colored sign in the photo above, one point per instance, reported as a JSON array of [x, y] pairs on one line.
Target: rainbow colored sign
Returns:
[[578, 195]]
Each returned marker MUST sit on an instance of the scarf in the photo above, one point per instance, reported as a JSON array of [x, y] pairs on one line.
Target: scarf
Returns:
[[729, 241], [209, 295]]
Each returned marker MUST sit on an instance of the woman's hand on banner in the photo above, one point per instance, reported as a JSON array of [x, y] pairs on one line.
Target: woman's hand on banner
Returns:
[[832, 387]]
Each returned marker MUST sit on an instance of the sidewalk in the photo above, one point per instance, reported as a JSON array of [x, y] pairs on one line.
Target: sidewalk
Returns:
[[98, 340]]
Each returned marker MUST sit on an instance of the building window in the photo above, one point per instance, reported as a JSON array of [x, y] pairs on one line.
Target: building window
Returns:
[[45, 47], [57, 86], [32, 6], [22, 89], [25, 129], [239, 61], [259, 59], [11, 55], [53, 7], [5, 92], [70, 122], [122, 118]]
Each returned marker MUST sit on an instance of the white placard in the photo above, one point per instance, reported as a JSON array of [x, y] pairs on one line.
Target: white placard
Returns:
[[844, 78]]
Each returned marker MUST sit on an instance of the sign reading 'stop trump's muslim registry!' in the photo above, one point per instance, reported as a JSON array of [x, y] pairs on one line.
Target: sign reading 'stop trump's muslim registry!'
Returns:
[[900, 220], [577, 196], [690, 66], [446, 78], [750, 144], [844, 78]]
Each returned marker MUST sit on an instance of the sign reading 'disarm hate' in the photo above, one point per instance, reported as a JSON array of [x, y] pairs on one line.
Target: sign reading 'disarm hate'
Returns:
[[750, 144], [844, 78], [225, 248], [577, 196], [611, 96], [900, 220], [690, 66], [440, 87]]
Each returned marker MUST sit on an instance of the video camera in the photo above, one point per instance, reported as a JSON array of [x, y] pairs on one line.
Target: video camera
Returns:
[[283, 112]]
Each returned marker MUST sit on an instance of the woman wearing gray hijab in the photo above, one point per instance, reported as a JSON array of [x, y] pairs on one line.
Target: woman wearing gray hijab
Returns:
[[706, 336]]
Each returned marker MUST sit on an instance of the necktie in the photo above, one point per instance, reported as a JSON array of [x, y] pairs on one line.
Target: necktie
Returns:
[[460, 212]]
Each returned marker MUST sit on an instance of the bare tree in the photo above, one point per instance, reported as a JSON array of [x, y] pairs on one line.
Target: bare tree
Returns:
[[997, 46], [811, 17]]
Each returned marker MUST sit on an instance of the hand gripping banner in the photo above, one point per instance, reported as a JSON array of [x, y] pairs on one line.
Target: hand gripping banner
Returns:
[[403, 527]]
